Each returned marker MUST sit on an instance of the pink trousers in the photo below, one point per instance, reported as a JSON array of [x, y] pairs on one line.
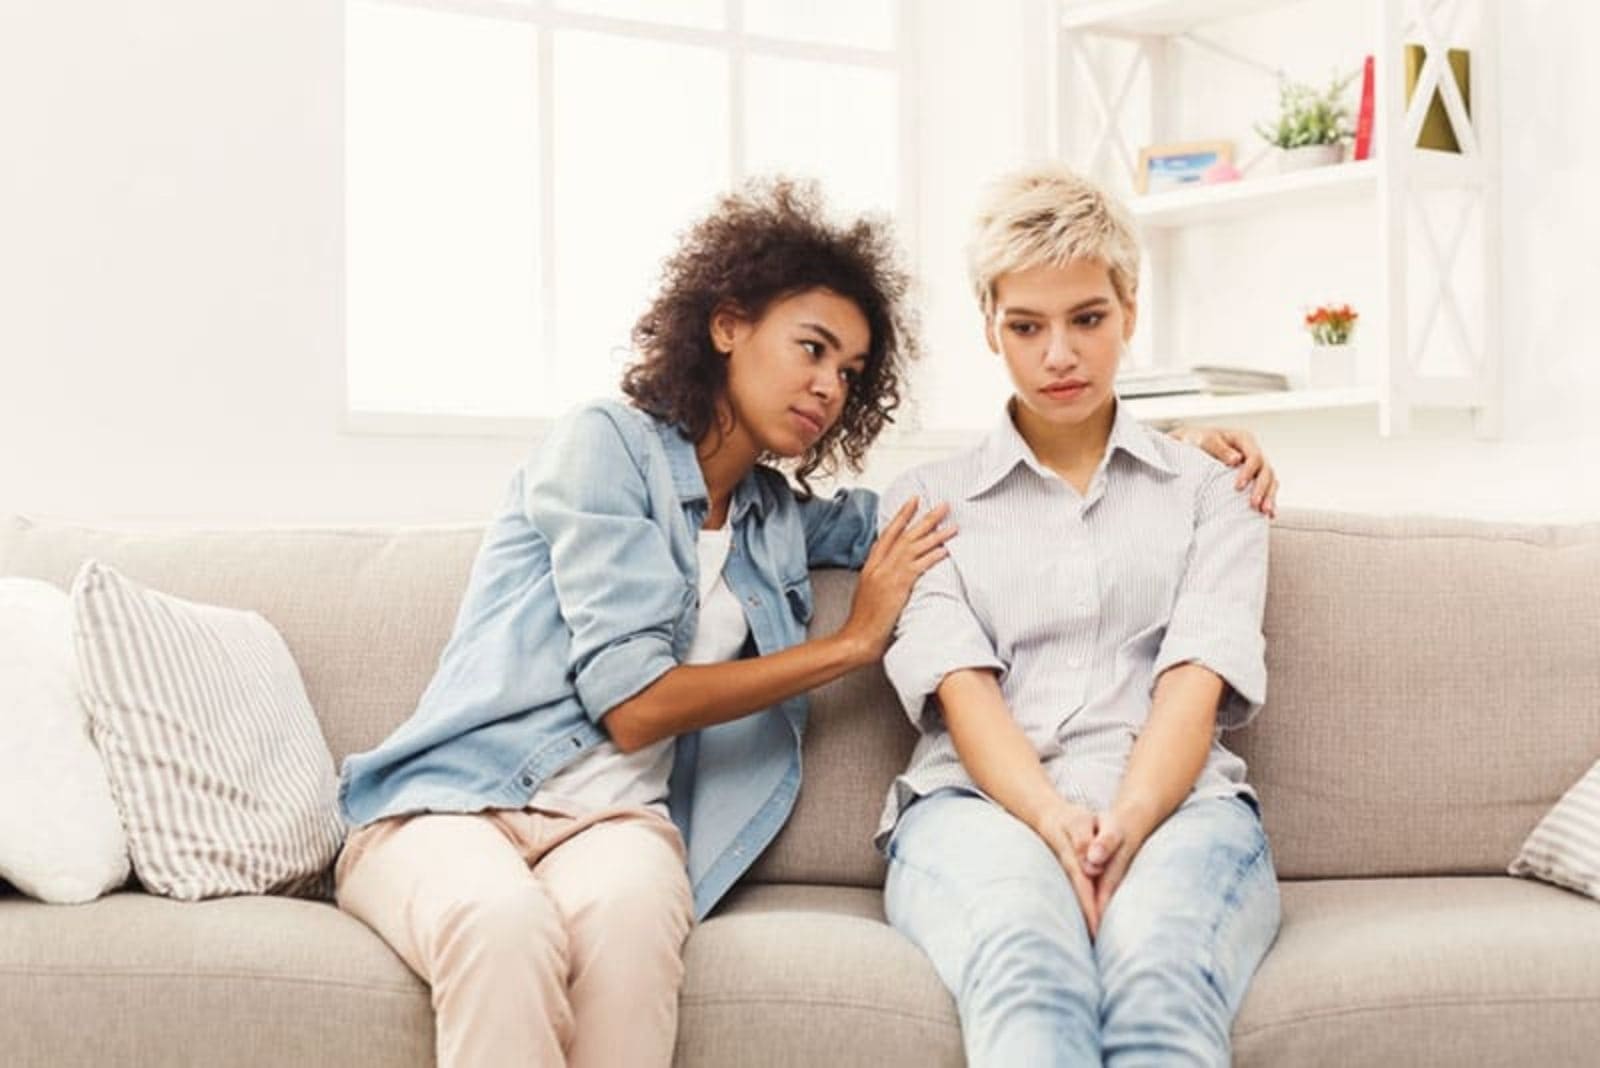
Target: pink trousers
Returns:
[[547, 939]]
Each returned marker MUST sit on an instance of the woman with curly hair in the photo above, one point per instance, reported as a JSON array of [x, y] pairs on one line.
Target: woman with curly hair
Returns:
[[645, 583]]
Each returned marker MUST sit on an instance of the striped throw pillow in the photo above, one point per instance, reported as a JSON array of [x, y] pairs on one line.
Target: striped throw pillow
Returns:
[[1564, 848], [217, 765]]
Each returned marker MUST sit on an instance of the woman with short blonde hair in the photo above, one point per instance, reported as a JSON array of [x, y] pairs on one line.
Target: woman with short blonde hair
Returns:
[[1071, 845]]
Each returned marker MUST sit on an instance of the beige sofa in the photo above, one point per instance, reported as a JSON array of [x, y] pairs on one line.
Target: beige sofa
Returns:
[[1435, 686]]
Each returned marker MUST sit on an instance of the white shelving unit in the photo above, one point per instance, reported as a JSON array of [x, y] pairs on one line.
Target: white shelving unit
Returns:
[[1154, 18], [1215, 203], [1220, 405], [1433, 349]]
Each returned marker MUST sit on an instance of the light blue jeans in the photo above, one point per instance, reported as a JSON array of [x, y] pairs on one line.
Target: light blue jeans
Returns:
[[986, 900]]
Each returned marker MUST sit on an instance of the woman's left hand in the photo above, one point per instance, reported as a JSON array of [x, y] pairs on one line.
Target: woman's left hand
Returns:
[[1238, 448], [1116, 842]]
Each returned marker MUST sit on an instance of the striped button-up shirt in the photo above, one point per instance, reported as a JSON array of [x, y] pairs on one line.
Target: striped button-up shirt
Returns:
[[1079, 603]]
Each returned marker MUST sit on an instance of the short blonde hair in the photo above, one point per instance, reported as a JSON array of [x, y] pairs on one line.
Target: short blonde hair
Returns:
[[1048, 214]]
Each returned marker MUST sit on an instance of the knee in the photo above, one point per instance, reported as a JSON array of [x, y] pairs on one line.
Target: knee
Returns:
[[1026, 946], [507, 929], [1163, 1003], [1166, 954], [644, 906]]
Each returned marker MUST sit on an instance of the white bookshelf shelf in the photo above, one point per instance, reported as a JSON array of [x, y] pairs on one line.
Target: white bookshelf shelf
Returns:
[[1248, 196], [1217, 405], [1155, 17]]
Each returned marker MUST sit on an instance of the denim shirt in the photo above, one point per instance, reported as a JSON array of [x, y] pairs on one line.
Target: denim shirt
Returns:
[[584, 592]]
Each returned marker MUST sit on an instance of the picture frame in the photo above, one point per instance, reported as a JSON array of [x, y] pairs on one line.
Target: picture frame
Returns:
[[1163, 168]]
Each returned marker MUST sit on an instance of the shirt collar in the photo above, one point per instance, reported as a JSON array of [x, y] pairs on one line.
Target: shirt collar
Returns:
[[747, 495], [1001, 450], [689, 482], [1004, 448], [1138, 441]]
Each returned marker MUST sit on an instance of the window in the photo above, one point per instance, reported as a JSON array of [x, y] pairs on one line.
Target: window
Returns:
[[515, 170]]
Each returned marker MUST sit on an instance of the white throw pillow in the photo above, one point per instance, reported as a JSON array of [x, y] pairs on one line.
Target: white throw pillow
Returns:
[[60, 838], [216, 760], [1564, 848]]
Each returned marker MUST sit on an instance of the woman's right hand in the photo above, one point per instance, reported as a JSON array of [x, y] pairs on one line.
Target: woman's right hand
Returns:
[[903, 551], [1068, 830]]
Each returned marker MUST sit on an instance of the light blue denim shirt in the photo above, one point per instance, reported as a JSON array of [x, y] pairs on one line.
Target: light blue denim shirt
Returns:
[[584, 592]]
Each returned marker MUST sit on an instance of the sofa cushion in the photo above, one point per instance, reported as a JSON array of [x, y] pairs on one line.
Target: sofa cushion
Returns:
[[779, 976], [1426, 971], [1433, 687], [1412, 664], [61, 839], [215, 757], [1420, 971], [802, 976], [366, 613], [1564, 848], [134, 979]]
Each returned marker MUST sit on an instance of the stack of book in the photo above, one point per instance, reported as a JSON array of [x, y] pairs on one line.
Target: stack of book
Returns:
[[1158, 382]]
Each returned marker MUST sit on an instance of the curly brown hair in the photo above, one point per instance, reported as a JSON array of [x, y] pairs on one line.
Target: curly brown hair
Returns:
[[769, 240]]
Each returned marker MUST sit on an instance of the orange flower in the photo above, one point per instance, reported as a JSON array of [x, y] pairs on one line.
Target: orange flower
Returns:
[[1331, 324]]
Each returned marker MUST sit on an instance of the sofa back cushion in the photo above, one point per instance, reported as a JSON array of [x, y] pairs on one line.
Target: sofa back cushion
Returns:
[[365, 613], [1433, 685]]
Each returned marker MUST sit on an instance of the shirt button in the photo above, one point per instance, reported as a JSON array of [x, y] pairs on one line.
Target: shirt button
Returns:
[[755, 602], [527, 780]]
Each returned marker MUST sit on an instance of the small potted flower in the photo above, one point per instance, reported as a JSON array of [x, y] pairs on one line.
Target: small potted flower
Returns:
[[1332, 361], [1313, 125]]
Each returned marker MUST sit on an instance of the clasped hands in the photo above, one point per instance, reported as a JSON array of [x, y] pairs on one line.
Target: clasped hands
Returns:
[[1095, 849]]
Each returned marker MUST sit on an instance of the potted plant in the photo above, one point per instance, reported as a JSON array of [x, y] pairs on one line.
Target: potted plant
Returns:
[[1313, 125], [1332, 361]]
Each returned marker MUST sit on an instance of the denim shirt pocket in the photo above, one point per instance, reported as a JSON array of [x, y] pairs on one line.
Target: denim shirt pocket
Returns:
[[798, 596]]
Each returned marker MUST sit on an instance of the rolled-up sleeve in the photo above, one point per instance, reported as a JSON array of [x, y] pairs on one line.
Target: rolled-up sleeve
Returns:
[[840, 529], [937, 633], [620, 592], [1216, 618]]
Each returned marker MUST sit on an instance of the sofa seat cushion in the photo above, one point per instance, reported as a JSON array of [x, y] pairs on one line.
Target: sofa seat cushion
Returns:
[[141, 980], [786, 975], [1434, 971], [1443, 971]]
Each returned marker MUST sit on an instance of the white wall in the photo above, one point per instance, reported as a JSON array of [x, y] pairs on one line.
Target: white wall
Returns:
[[170, 333]]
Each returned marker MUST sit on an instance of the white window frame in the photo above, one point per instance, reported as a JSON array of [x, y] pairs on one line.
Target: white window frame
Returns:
[[739, 46]]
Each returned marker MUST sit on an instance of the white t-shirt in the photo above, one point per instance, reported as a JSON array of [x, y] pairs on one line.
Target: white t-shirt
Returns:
[[605, 776]]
